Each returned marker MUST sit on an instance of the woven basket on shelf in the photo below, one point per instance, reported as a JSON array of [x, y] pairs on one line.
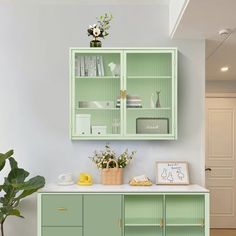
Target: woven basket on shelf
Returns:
[[112, 176]]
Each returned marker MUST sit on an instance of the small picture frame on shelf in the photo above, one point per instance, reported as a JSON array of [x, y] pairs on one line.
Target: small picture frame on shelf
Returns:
[[172, 173]]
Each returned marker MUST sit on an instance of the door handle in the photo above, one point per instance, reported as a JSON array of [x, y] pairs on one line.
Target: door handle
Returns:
[[208, 169]]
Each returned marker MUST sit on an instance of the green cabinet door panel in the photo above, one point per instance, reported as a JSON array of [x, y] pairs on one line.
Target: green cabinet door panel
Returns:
[[62, 231], [185, 231], [102, 215], [62, 210]]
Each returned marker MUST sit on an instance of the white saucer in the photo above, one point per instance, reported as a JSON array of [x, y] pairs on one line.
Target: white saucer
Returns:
[[66, 183]]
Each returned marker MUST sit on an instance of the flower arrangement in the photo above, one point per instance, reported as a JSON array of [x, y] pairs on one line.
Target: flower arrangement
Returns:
[[101, 158], [100, 29]]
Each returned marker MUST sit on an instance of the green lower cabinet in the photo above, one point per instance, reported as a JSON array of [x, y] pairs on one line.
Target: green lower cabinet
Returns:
[[103, 215], [62, 231], [123, 214]]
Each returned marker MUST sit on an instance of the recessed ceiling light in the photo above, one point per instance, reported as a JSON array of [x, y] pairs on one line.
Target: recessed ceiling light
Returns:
[[225, 68], [225, 32]]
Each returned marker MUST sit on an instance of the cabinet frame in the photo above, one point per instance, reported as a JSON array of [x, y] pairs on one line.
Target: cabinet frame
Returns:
[[123, 87]]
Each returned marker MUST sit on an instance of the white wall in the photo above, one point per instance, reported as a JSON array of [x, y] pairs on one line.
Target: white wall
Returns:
[[34, 92]]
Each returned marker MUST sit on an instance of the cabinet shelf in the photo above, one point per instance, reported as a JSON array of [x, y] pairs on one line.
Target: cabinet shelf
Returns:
[[142, 222], [148, 109], [148, 77], [97, 77], [185, 222], [98, 109]]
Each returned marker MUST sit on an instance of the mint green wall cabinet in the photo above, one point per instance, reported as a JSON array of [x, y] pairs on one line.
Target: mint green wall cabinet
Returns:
[[103, 215], [123, 103]]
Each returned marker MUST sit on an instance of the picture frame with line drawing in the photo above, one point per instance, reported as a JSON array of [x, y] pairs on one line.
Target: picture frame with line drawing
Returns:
[[172, 173]]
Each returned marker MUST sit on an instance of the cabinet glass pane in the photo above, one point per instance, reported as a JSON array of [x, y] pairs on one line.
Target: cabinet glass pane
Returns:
[[149, 101], [143, 210], [185, 210], [96, 88], [184, 231]]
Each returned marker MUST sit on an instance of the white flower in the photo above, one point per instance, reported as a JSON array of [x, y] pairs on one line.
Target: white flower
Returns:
[[90, 26], [96, 32]]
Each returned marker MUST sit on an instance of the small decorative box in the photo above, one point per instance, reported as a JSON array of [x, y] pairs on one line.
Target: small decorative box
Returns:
[[83, 124], [99, 130]]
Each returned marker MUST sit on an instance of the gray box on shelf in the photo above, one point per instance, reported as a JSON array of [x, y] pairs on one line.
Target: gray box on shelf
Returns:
[[83, 124], [147, 125], [99, 130], [96, 104]]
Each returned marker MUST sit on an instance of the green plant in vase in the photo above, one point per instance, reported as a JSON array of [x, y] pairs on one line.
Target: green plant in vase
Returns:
[[100, 29], [15, 187]]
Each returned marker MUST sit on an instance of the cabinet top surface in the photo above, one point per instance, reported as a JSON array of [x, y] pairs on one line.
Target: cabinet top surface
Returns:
[[125, 188], [124, 48]]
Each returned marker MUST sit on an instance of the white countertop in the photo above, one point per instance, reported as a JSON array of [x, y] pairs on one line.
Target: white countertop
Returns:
[[124, 188]]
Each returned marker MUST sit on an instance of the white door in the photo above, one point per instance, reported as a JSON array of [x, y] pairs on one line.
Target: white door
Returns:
[[220, 160]]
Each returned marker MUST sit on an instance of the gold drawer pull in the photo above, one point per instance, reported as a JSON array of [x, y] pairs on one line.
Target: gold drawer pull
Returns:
[[202, 223], [120, 223], [62, 209], [161, 223]]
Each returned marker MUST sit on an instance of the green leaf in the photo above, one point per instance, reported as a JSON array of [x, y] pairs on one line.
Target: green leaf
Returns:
[[3, 158], [9, 154], [13, 163], [31, 186], [17, 176], [15, 212]]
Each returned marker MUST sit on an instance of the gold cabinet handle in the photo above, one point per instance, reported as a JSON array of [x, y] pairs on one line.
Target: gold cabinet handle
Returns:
[[202, 223], [123, 94], [161, 223], [62, 209], [120, 223]]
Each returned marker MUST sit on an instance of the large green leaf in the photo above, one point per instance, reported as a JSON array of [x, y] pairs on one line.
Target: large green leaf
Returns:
[[9, 154], [17, 176], [3, 158], [13, 163], [31, 186]]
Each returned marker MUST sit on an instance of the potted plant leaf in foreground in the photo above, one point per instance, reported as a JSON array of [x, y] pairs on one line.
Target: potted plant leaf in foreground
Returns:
[[15, 187]]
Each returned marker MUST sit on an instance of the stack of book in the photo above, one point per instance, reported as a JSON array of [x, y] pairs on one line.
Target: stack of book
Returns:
[[131, 102], [89, 66]]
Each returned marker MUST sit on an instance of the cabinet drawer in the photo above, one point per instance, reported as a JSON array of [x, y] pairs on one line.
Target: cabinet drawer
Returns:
[[62, 231], [62, 210]]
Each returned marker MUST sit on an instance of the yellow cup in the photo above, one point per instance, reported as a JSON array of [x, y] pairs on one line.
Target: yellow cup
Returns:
[[84, 179]]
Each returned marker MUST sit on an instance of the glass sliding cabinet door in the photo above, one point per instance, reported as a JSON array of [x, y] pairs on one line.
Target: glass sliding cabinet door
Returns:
[[95, 89]]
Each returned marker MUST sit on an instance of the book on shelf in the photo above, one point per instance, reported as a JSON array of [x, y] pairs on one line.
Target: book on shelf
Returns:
[[100, 66], [77, 66], [82, 69], [90, 66]]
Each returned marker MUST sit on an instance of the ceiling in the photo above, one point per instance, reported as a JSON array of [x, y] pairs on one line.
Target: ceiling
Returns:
[[203, 19], [93, 2]]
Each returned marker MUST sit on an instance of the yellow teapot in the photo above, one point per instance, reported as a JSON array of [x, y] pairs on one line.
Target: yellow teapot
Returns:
[[85, 179]]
